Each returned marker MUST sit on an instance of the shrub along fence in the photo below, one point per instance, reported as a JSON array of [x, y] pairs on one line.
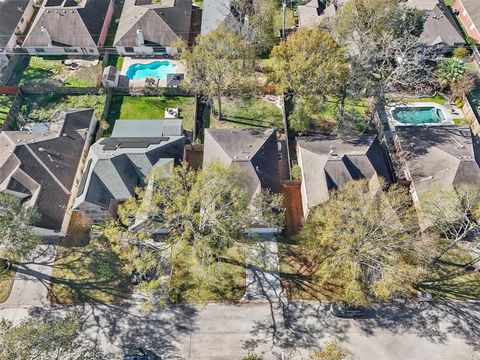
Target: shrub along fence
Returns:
[[9, 122]]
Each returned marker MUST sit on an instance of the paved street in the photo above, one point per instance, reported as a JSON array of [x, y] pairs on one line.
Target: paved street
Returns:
[[221, 331]]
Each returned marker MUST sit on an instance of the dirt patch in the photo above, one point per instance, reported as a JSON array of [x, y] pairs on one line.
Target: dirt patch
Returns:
[[292, 201]]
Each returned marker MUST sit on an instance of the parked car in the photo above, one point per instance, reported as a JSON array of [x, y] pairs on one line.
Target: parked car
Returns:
[[142, 355], [345, 311]]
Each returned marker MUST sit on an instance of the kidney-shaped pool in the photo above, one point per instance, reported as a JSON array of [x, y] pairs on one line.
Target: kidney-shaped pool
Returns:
[[156, 69]]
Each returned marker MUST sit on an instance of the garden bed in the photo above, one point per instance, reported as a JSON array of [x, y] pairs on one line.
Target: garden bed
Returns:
[[42, 71], [150, 108], [7, 276]]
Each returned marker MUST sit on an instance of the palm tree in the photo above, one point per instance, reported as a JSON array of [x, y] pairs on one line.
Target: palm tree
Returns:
[[450, 71]]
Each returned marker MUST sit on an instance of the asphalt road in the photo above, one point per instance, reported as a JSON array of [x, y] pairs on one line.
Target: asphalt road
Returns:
[[225, 331]]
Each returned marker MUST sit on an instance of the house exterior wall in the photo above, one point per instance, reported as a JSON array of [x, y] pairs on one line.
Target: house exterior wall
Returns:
[[55, 50], [106, 24], [303, 187], [472, 29], [22, 26], [144, 50]]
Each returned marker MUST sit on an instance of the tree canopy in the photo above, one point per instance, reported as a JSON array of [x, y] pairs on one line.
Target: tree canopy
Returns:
[[202, 215], [220, 64], [16, 220], [366, 244], [41, 338]]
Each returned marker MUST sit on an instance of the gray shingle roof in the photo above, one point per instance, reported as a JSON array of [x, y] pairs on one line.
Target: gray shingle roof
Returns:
[[252, 150], [161, 24], [40, 167], [439, 154], [115, 172], [440, 26], [214, 14], [68, 24], [315, 13], [328, 163], [11, 12]]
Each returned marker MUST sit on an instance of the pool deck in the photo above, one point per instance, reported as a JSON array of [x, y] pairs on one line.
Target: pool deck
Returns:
[[128, 61], [450, 114]]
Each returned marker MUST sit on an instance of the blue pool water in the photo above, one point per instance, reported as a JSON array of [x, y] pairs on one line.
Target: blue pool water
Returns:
[[156, 69], [418, 115]]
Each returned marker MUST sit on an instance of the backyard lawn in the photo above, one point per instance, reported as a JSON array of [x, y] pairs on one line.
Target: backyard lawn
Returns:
[[41, 107], [5, 104], [54, 72], [438, 99], [151, 108], [249, 112]]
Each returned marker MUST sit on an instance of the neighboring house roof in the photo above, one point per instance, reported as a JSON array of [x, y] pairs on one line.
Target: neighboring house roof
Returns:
[[118, 164], [328, 163], [315, 13], [161, 23], [254, 151], [40, 167], [214, 14], [439, 27], [11, 11], [473, 9], [439, 154], [68, 23]]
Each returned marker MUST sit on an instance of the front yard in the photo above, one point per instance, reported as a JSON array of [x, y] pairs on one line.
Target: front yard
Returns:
[[41, 107], [43, 71], [6, 281], [248, 112], [151, 108], [6, 102]]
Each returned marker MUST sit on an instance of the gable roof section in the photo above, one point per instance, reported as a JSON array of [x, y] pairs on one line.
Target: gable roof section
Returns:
[[440, 26], [329, 163], [40, 168], [11, 11], [254, 151], [216, 13], [439, 154], [117, 165], [161, 24], [68, 24]]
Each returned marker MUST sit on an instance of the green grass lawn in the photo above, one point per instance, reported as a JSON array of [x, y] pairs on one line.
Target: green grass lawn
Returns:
[[87, 270], [438, 99], [448, 279], [227, 280], [115, 60], [53, 72], [151, 108], [278, 20], [41, 107], [249, 112], [6, 282], [6, 102]]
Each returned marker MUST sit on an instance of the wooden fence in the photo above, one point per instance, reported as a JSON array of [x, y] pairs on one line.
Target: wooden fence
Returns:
[[14, 110], [60, 90], [472, 115]]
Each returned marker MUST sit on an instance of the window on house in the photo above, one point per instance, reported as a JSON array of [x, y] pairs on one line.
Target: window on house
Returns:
[[464, 13], [22, 20], [91, 51], [39, 50], [129, 49], [70, 50]]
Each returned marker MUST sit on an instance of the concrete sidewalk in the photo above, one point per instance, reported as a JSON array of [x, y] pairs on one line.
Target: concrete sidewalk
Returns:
[[30, 287]]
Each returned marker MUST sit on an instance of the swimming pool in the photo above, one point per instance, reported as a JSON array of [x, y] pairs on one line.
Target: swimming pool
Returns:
[[418, 115], [156, 69]]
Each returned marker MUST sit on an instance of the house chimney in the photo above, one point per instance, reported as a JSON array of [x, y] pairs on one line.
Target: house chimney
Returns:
[[46, 36], [140, 38]]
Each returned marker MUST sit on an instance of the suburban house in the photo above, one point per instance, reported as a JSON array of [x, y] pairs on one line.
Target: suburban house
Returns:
[[439, 30], [117, 165], [69, 27], [447, 155], [315, 13], [216, 13], [153, 27], [253, 151], [469, 15], [43, 165], [327, 163], [15, 16]]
